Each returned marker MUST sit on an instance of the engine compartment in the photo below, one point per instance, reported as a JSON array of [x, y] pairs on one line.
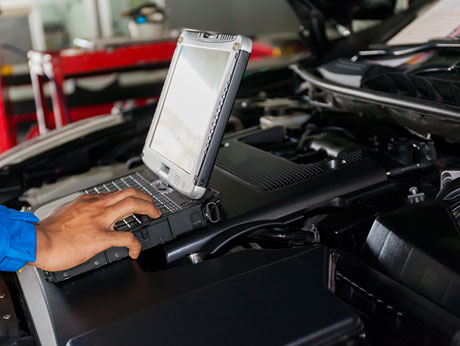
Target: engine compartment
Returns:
[[320, 184], [301, 173]]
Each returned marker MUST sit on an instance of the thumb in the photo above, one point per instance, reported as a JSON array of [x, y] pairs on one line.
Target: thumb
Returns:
[[127, 239]]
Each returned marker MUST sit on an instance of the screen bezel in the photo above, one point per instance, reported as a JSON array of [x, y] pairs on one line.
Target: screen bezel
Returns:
[[175, 176], [167, 92]]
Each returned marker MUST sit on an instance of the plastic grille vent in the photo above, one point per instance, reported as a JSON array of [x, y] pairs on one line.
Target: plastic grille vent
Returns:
[[266, 172], [226, 37], [351, 157], [194, 33]]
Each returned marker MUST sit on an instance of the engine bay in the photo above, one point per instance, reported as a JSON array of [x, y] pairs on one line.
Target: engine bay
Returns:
[[319, 178], [339, 209]]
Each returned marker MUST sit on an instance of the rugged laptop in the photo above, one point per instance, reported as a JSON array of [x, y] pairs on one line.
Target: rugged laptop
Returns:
[[181, 146]]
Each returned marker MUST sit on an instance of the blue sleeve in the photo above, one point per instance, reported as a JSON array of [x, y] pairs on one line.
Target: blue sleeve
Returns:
[[18, 239]]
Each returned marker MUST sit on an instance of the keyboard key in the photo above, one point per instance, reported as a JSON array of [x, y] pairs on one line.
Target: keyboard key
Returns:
[[163, 211], [143, 218], [130, 219], [137, 181], [121, 226]]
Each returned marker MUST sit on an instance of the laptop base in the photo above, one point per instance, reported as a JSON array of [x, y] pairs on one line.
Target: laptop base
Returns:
[[185, 216]]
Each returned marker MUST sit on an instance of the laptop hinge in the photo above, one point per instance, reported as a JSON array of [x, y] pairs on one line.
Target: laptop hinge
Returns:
[[163, 174]]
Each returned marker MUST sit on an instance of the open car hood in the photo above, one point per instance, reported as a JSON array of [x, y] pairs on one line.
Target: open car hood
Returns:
[[422, 117], [424, 104]]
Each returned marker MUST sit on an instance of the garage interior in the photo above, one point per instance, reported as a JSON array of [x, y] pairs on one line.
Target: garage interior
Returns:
[[303, 155]]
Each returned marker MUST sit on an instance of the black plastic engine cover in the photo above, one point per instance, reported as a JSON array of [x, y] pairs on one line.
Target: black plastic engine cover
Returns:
[[418, 246], [270, 297]]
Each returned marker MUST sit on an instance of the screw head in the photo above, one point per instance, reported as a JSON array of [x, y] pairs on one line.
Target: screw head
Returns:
[[6, 317]]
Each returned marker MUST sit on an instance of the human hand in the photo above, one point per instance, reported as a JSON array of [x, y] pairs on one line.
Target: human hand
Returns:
[[76, 231]]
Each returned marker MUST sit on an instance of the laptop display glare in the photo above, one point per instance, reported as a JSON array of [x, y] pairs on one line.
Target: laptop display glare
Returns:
[[188, 105]]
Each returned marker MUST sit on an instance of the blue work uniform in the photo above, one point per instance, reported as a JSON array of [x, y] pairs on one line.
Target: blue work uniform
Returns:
[[18, 239]]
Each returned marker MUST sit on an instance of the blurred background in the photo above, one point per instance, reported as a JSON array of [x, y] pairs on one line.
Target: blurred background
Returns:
[[66, 60], [54, 24]]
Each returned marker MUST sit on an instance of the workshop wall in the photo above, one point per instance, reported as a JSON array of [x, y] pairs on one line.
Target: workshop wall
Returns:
[[65, 19], [240, 16], [14, 30]]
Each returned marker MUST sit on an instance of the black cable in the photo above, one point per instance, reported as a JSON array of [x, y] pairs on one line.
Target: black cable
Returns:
[[285, 235], [13, 49], [437, 68], [409, 169]]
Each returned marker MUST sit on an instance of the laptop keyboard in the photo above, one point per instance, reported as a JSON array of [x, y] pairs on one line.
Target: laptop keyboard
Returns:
[[137, 181]]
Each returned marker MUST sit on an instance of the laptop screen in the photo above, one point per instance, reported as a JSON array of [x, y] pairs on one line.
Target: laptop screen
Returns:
[[188, 105]]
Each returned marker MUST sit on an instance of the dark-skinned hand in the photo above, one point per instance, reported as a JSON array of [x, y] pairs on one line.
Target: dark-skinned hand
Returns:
[[76, 231]]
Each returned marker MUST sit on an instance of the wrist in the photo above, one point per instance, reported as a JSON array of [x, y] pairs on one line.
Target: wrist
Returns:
[[43, 249]]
